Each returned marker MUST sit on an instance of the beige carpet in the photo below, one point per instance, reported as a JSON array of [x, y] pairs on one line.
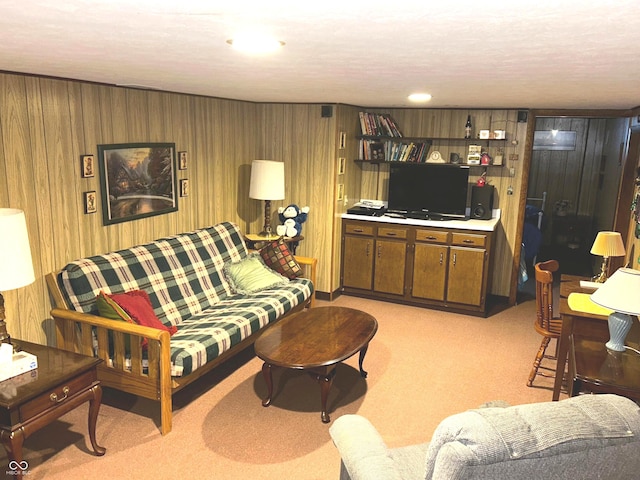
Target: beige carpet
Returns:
[[423, 366]]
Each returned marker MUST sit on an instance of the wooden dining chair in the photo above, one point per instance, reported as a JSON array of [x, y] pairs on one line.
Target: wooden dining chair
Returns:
[[546, 324]]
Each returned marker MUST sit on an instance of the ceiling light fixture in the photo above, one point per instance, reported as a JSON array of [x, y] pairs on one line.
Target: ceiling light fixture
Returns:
[[420, 97], [255, 43]]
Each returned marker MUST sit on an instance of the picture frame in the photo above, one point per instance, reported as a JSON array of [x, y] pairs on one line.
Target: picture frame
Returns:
[[182, 160], [343, 140], [90, 202], [340, 193], [87, 166], [138, 180], [184, 188], [342, 164]]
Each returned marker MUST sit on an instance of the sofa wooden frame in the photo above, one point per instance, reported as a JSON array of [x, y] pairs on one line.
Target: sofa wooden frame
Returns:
[[74, 333]]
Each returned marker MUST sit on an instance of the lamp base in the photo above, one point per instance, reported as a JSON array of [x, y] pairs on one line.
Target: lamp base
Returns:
[[6, 338], [602, 276], [619, 326]]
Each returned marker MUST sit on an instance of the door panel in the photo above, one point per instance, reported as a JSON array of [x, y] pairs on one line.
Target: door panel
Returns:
[[430, 271], [391, 259]]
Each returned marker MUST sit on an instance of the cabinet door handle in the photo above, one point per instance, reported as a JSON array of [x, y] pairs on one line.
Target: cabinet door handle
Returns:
[[455, 258], [466, 240], [390, 234], [54, 397], [368, 248], [379, 250], [358, 230], [431, 237], [441, 258]]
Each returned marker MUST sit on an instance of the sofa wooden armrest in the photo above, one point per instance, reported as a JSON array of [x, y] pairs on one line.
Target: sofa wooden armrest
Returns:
[[309, 266], [123, 365]]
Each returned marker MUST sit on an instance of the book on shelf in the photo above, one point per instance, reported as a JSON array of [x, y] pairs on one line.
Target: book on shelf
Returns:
[[407, 152], [393, 151], [372, 150], [378, 124]]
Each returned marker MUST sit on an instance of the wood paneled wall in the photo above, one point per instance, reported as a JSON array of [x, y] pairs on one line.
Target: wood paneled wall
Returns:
[[298, 135], [47, 124]]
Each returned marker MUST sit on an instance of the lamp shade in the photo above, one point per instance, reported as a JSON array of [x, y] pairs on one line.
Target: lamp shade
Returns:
[[621, 292], [267, 180], [16, 266], [608, 244]]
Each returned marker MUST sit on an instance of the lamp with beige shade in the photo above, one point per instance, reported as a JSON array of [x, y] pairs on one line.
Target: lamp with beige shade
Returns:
[[607, 245], [16, 266]]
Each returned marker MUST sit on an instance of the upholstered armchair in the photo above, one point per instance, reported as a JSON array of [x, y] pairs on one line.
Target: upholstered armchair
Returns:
[[586, 437]]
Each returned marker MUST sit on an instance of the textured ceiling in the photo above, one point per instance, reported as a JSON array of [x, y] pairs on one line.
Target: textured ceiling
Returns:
[[491, 54]]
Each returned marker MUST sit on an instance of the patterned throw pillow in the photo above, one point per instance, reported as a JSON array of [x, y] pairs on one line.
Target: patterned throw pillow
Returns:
[[276, 255], [133, 307]]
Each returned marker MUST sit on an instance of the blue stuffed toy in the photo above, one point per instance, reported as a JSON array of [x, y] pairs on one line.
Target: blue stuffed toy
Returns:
[[291, 217]]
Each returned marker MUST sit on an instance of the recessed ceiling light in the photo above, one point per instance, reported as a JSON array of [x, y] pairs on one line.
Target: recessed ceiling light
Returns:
[[255, 43], [420, 97]]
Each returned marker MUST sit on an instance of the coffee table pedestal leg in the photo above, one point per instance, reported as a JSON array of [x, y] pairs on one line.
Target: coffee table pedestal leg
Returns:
[[363, 352], [268, 378]]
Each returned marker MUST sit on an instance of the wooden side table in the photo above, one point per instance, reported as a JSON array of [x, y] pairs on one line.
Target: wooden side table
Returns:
[[575, 323], [62, 381], [596, 369]]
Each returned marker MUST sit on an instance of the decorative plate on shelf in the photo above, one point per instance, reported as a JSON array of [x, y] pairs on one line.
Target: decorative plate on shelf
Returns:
[[435, 157]]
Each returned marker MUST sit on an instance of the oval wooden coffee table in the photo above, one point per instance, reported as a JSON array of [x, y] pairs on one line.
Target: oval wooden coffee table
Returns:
[[315, 340]]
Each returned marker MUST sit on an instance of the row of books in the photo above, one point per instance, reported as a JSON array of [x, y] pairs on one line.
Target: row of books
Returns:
[[378, 124], [375, 151]]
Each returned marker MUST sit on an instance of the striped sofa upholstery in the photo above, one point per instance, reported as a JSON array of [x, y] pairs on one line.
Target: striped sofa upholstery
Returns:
[[183, 276]]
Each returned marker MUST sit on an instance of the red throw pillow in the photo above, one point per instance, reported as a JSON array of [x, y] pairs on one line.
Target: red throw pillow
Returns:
[[138, 305]]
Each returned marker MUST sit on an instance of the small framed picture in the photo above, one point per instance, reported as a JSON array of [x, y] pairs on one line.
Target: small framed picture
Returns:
[[182, 160], [340, 192], [343, 140], [90, 202], [184, 188], [87, 166], [341, 165]]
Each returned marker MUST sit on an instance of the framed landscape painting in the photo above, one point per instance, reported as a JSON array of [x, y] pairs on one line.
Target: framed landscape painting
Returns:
[[138, 180]]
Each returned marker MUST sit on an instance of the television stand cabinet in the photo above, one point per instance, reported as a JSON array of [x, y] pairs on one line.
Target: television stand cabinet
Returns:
[[438, 264]]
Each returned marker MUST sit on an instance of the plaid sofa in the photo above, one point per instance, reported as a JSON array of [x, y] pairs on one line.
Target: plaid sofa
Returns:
[[187, 288], [183, 276]]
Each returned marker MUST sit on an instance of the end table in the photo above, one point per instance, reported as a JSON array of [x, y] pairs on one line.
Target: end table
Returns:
[[594, 368], [28, 402]]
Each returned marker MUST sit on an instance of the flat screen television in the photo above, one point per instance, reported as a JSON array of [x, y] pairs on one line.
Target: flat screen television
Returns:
[[429, 190]]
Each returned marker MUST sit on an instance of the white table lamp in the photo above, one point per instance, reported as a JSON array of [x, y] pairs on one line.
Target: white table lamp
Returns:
[[620, 293], [16, 266], [267, 183], [606, 245]]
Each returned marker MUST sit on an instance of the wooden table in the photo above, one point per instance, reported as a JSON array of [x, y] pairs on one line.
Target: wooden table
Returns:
[[596, 369], [578, 324], [315, 340], [62, 381]]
